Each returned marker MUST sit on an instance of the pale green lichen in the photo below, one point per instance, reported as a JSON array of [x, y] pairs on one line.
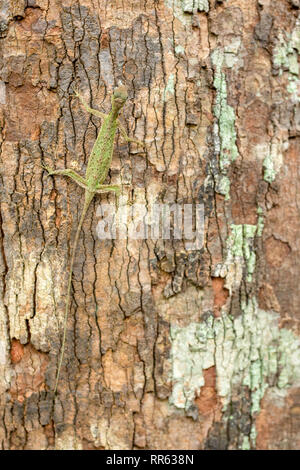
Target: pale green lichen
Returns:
[[246, 443], [226, 118], [249, 232], [170, 87], [247, 351], [225, 115], [240, 253], [178, 13], [260, 221], [182, 9], [179, 50], [191, 6], [250, 350], [273, 161], [223, 186], [285, 58], [253, 434]]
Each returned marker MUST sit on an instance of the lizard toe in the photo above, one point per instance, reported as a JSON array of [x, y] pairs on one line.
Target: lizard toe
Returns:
[[47, 168]]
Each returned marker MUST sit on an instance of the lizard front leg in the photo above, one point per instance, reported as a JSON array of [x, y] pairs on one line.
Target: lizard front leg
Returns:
[[70, 173], [90, 110], [126, 137]]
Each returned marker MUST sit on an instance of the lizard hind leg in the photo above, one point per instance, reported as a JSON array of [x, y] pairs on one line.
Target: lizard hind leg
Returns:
[[70, 173], [105, 188]]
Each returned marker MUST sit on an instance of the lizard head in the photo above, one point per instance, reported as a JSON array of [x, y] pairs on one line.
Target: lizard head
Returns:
[[119, 97]]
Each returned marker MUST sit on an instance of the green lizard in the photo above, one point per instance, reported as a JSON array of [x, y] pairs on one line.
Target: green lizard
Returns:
[[96, 172]]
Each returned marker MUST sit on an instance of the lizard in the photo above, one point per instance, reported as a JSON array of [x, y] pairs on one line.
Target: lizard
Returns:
[[96, 172]]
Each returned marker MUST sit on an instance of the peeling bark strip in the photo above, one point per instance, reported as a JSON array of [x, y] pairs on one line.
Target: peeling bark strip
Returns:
[[166, 348]]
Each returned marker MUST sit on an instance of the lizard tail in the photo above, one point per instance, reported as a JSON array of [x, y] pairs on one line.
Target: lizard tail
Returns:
[[88, 199]]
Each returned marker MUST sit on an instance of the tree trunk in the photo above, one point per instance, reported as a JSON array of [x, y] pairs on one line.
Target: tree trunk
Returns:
[[168, 347]]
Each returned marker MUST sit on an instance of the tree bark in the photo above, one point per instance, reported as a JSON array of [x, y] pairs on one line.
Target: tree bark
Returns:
[[167, 348]]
